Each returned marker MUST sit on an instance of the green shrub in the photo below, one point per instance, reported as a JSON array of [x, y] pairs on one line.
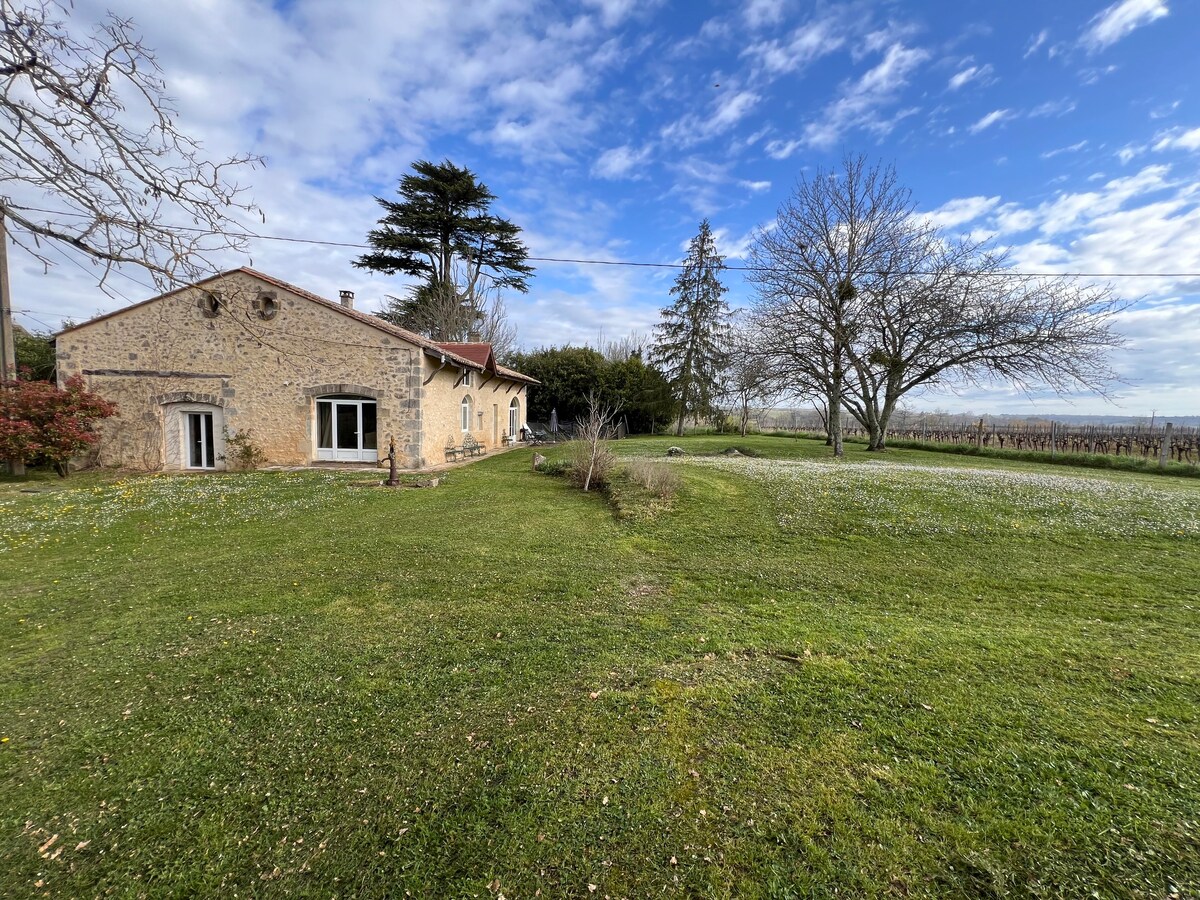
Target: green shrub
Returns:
[[242, 452], [558, 468]]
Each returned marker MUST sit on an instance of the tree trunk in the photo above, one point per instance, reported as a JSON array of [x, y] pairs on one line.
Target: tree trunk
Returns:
[[885, 417], [835, 414], [874, 435]]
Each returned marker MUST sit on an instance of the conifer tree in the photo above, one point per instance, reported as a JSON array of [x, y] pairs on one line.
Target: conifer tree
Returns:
[[689, 341], [443, 232]]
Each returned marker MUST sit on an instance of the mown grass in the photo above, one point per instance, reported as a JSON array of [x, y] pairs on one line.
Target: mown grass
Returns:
[[285, 683]]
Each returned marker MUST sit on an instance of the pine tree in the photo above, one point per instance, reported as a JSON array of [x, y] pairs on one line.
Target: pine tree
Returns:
[[689, 341]]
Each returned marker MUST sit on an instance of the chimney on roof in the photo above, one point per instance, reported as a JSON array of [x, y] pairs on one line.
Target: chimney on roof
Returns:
[[347, 298], [474, 337]]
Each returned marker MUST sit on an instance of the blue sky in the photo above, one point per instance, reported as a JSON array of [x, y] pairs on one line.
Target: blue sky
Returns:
[[1069, 132]]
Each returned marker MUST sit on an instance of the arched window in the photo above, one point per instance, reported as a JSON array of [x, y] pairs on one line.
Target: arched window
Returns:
[[514, 418], [466, 414]]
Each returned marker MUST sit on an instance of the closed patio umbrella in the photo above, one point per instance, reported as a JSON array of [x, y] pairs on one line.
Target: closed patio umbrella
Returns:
[[554, 420]]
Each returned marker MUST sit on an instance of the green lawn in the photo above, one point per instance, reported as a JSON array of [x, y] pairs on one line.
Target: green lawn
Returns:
[[910, 676]]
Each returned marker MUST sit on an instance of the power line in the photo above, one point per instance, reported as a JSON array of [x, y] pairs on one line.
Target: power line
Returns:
[[583, 261], [63, 253], [27, 314]]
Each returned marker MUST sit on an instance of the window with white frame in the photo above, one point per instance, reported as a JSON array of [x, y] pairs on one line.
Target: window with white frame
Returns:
[[347, 428], [468, 378], [193, 436], [466, 414], [200, 441]]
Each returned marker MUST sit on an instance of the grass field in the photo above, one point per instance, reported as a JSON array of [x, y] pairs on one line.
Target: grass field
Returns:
[[911, 676]]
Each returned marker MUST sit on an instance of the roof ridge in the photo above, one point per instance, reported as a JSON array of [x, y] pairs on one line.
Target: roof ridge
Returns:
[[430, 346]]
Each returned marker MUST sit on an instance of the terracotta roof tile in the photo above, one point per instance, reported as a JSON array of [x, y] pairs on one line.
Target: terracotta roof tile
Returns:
[[476, 351]]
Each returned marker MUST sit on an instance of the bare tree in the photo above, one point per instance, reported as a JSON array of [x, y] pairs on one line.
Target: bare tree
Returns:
[[494, 326], [863, 302], [91, 156], [625, 348], [749, 379], [965, 317], [439, 311], [592, 432], [837, 241]]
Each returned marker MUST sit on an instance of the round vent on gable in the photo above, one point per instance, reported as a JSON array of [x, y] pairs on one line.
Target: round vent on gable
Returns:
[[210, 304], [266, 304]]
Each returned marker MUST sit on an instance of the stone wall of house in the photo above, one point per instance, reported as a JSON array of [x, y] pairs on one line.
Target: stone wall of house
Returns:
[[442, 408], [261, 369]]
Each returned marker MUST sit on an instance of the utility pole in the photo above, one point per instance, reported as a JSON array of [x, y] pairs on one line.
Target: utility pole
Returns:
[[8, 357], [8, 354]]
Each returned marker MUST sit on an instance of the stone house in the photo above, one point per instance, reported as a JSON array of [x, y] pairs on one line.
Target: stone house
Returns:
[[311, 380]]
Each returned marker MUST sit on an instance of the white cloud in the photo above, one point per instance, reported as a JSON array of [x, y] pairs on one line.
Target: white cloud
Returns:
[[1012, 219], [1037, 41], [732, 247], [1119, 20], [994, 117], [1092, 75], [1066, 211], [1128, 224], [969, 74], [727, 109], [1130, 152], [1161, 112], [804, 45], [732, 108], [961, 210], [1071, 148], [1147, 222], [859, 103], [620, 162], [1178, 139], [758, 13], [1052, 108], [780, 149]]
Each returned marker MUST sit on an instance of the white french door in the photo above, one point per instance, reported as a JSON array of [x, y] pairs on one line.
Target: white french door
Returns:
[[346, 429], [201, 445]]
